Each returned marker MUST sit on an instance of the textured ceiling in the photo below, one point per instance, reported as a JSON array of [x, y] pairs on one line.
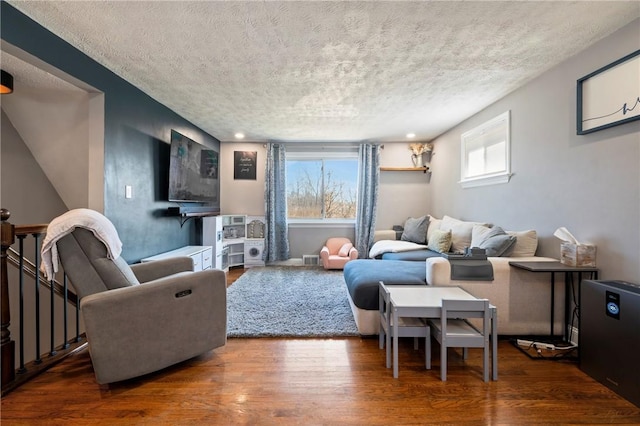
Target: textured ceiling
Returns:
[[329, 71], [27, 75]]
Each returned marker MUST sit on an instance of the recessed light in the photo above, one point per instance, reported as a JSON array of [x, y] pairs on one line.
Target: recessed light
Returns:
[[411, 135], [239, 135]]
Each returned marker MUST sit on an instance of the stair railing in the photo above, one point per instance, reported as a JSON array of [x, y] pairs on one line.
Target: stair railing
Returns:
[[60, 345]]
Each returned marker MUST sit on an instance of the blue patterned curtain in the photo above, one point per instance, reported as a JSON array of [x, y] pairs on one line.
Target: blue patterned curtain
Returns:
[[368, 177], [277, 238]]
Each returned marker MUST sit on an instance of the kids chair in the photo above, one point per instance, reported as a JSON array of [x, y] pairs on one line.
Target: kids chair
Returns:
[[336, 252], [453, 330], [406, 327]]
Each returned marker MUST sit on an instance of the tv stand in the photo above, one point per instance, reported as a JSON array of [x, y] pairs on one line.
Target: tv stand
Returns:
[[202, 256]]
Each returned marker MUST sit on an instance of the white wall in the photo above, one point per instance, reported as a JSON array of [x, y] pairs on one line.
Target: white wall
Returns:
[[63, 128], [590, 183], [401, 194], [241, 196]]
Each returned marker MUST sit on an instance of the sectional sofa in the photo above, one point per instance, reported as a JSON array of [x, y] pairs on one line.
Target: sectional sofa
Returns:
[[523, 298]]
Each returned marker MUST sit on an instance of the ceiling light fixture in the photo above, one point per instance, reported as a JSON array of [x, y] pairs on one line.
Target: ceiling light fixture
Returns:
[[239, 135], [411, 135], [6, 83]]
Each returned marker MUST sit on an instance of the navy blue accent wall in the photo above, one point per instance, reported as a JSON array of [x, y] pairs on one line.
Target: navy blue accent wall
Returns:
[[137, 136]]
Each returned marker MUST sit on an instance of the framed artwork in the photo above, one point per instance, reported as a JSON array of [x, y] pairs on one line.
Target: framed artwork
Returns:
[[609, 96], [244, 165]]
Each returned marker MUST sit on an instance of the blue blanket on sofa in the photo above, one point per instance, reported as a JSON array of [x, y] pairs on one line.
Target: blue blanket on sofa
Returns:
[[413, 255], [363, 275]]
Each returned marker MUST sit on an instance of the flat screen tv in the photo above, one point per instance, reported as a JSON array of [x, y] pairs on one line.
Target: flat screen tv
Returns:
[[193, 171]]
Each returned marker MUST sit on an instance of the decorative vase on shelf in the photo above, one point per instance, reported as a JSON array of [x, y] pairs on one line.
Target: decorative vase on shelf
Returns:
[[417, 160], [418, 150]]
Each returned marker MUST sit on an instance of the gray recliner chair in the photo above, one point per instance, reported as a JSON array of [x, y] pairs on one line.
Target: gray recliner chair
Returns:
[[144, 317]]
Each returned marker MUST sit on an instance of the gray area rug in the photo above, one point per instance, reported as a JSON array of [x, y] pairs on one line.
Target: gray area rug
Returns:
[[289, 301]]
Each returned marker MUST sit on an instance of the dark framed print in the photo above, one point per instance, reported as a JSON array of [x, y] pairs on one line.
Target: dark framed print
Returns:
[[244, 165], [609, 96]]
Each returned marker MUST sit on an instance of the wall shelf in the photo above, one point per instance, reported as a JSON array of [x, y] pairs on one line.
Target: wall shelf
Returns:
[[193, 211], [189, 212], [424, 169]]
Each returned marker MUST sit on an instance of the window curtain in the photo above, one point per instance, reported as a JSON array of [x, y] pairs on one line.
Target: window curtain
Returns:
[[277, 237], [368, 177]]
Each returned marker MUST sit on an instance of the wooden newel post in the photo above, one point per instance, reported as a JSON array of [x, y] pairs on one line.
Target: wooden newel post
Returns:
[[7, 346]]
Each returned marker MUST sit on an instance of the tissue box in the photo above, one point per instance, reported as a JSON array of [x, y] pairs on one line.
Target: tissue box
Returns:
[[578, 254]]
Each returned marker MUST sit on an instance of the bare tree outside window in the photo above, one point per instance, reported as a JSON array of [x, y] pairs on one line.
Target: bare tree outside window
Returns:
[[322, 188]]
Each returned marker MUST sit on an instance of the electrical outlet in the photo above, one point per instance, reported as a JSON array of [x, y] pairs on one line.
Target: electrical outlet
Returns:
[[128, 191]]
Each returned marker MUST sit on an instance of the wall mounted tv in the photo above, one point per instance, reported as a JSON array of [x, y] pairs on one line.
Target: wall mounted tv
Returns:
[[193, 172]]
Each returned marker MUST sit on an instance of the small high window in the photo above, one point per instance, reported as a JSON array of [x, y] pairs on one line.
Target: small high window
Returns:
[[486, 153]]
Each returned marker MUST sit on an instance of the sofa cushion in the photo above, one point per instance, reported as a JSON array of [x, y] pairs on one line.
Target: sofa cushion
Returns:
[[415, 230], [526, 243], [440, 241], [122, 269]]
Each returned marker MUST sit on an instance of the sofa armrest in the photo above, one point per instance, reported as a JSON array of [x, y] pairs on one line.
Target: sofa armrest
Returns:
[[149, 271], [353, 253], [140, 329], [324, 253], [438, 271]]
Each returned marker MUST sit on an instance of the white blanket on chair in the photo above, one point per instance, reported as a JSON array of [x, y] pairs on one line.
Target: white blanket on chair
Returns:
[[393, 246], [65, 224]]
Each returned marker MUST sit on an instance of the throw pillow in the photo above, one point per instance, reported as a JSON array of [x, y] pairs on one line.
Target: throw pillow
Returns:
[[479, 233], [460, 232], [526, 243], [345, 249], [433, 225], [499, 245], [494, 240], [415, 230], [440, 241]]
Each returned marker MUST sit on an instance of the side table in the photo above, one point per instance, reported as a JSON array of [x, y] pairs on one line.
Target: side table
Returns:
[[553, 267]]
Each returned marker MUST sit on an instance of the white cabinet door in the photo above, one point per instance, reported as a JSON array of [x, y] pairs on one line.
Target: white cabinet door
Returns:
[[197, 261], [212, 236], [207, 258]]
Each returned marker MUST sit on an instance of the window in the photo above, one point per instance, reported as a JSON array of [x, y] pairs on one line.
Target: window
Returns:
[[322, 185], [486, 152]]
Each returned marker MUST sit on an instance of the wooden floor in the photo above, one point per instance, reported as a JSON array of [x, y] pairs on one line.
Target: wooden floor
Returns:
[[321, 381]]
